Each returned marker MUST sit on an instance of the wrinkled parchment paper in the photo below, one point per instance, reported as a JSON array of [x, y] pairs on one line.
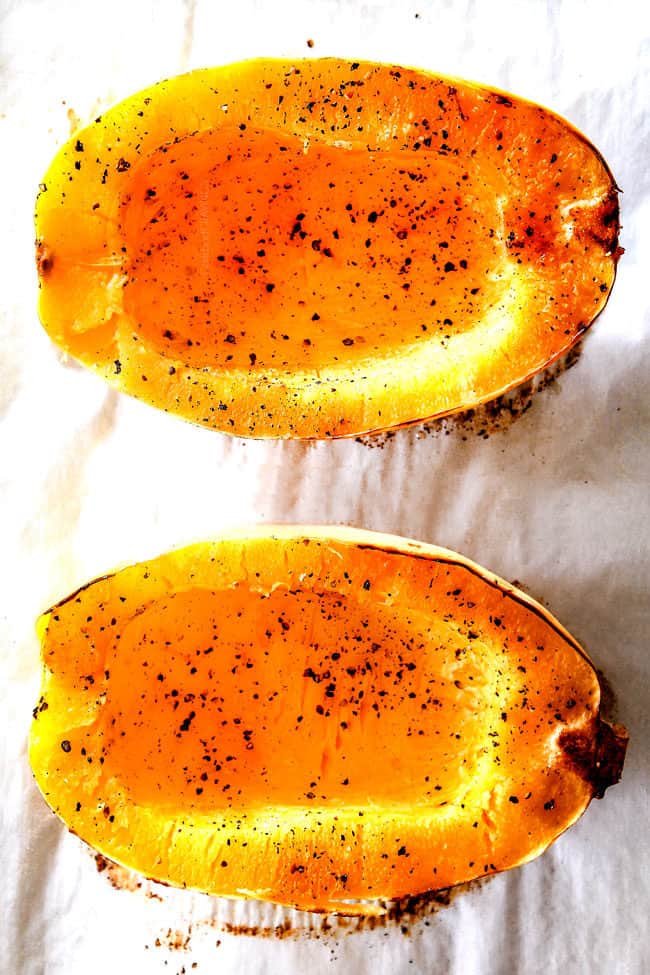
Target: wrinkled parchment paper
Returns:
[[556, 498]]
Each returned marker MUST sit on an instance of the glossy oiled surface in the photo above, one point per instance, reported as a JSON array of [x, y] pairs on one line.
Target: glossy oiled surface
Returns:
[[308, 716], [319, 248], [264, 253], [227, 700]]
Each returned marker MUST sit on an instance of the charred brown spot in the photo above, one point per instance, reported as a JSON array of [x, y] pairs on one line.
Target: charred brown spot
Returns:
[[605, 225], [598, 758], [44, 259]]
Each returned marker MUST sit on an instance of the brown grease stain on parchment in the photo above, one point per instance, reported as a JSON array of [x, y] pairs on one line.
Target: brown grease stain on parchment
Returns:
[[402, 913], [488, 418]]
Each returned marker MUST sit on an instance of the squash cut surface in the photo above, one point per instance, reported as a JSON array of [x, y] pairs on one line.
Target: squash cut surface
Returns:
[[316, 716], [322, 248]]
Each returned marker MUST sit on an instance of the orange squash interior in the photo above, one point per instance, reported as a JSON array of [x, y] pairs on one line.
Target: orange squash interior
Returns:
[[321, 248], [316, 716]]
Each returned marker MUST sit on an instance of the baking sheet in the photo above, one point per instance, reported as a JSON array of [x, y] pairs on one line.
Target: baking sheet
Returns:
[[551, 491]]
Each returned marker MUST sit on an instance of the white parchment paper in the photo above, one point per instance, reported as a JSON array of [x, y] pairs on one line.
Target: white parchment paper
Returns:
[[557, 500]]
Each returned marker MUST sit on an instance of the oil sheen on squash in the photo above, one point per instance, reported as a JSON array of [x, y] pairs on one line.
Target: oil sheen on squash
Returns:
[[315, 716], [322, 248]]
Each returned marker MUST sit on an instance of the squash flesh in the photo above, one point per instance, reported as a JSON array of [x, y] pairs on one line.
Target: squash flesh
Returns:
[[311, 216], [321, 249], [330, 717]]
